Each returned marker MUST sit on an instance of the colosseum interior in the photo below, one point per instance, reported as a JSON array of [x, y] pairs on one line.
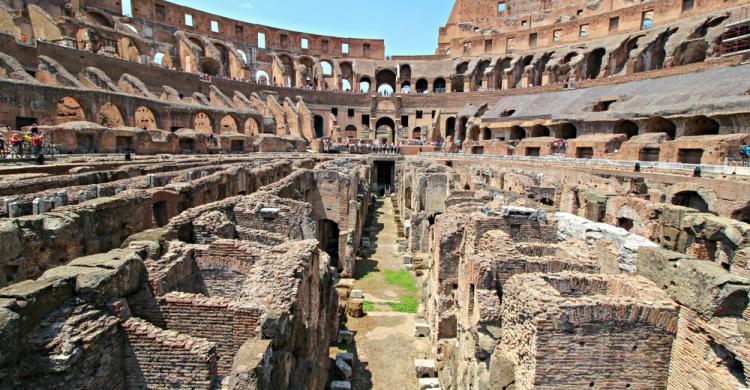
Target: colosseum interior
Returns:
[[557, 198]]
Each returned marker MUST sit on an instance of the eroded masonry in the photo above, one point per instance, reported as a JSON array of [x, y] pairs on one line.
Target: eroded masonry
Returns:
[[557, 198]]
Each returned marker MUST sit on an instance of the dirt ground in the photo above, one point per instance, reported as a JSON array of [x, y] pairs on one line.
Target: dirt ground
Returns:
[[385, 346]]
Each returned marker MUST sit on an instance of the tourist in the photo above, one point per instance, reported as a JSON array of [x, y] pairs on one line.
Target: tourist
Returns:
[[36, 144], [16, 144], [34, 129], [27, 142], [2, 146]]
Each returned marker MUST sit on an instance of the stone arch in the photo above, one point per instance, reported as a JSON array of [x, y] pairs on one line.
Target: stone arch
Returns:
[[385, 77], [690, 199], [438, 86], [479, 73], [422, 86], [261, 77], [629, 128], [701, 125], [568, 131], [539, 131], [144, 118], [202, 123], [318, 126], [350, 131], [288, 72], [69, 110], [385, 129], [251, 127], [159, 58], [327, 68], [210, 66], [365, 85], [659, 124], [450, 127], [109, 116], [416, 133], [228, 125], [405, 87], [594, 63], [404, 72], [517, 133]]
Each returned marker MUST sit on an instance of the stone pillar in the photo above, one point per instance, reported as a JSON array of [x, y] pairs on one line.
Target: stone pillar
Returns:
[[60, 199], [546, 77], [40, 206], [506, 81]]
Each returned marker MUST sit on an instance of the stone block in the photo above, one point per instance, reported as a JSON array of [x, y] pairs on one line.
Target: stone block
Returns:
[[429, 383], [40, 297], [357, 294], [10, 329], [407, 259], [345, 337], [348, 357], [60, 199], [425, 368], [409, 267], [702, 286], [344, 369], [355, 308], [268, 212], [421, 329], [41, 206], [341, 385]]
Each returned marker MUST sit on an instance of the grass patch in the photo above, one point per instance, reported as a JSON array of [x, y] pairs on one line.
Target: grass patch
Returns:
[[368, 307], [402, 279], [407, 304]]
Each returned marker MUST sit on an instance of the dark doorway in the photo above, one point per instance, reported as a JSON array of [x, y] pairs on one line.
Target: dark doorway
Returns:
[[384, 171], [238, 146], [160, 214], [187, 145], [124, 144], [533, 152], [318, 124], [649, 154], [690, 156], [85, 143], [587, 153], [625, 223], [328, 237], [22, 122], [690, 199]]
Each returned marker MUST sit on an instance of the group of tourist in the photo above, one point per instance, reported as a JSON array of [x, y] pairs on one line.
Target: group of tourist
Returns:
[[21, 145]]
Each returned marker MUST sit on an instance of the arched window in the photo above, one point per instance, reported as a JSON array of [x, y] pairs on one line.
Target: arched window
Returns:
[[159, 58], [346, 85], [327, 68], [364, 85], [626, 127], [261, 77]]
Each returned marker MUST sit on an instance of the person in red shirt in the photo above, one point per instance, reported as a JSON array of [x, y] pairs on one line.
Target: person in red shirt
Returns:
[[16, 144], [36, 144]]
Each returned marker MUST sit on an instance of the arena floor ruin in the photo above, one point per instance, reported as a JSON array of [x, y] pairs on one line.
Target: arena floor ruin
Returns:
[[556, 205]]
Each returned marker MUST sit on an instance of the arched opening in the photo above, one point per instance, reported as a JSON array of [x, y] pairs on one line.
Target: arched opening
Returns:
[[479, 73], [210, 66], [690, 199], [386, 78], [462, 122], [69, 110], [517, 133], [328, 238], [261, 77], [346, 86], [223, 58], [406, 87], [701, 125], [242, 55], [109, 116], [626, 127], [100, 18], [417, 133], [385, 130], [450, 127], [486, 134], [438, 86], [594, 63], [159, 58], [327, 68], [144, 118], [474, 133], [202, 123], [350, 131], [227, 125], [251, 127], [661, 125], [422, 86], [404, 72], [540, 131], [288, 72], [318, 126], [568, 131], [364, 85], [385, 90]]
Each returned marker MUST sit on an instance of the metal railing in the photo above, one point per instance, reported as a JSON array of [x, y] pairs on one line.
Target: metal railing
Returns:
[[622, 164]]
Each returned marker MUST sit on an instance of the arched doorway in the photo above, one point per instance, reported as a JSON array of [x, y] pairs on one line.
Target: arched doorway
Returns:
[[346, 86], [422, 86], [568, 131], [438, 86], [318, 126], [486, 134], [109, 116], [690, 199], [450, 127], [661, 125], [406, 87], [386, 81], [210, 66], [328, 237], [385, 130], [540, 131], [350, 131], [202, 123], [701, 125], [364, 85], [251, 127], [416, 133], [517, 133], [629, 128], [69, 110], [144, 118], [227, 125], [594, 63], [261, 77]]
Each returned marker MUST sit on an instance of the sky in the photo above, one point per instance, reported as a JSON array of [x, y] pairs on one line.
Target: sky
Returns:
[[409, 27]]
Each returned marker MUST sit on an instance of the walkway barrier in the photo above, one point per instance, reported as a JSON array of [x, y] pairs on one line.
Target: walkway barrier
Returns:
[[622, 164]]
